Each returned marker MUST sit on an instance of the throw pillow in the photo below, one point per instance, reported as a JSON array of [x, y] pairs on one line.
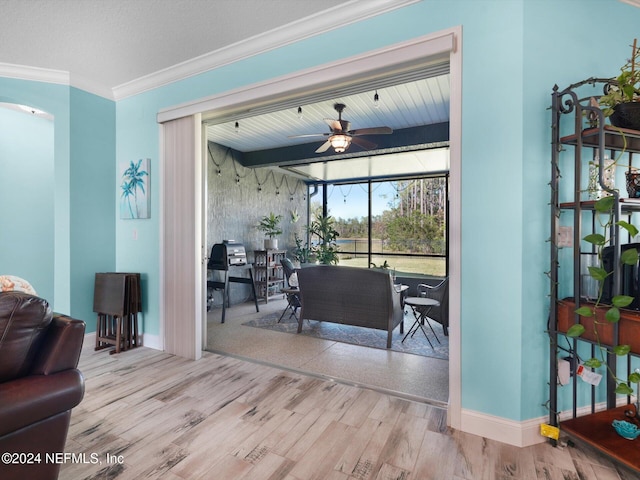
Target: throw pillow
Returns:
[[10, 283]]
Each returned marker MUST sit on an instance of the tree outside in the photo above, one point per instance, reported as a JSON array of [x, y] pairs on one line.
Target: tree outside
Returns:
[[412, 223]]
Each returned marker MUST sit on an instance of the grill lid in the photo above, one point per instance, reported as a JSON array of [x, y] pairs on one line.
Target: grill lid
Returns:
[[226, 254]]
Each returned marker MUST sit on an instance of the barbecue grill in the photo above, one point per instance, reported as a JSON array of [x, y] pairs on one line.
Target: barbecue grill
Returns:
[[227, 254], [224, 255]]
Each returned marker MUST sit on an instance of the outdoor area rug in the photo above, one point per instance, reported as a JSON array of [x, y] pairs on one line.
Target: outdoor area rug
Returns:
[[367, 337]]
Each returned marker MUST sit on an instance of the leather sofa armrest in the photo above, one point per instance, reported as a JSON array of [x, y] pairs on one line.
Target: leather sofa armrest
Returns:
[[61, 347], [30, 399]]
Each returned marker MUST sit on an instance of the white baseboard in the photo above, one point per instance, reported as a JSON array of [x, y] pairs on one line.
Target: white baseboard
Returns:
[[520, 434], [148, 340], [153, 341]]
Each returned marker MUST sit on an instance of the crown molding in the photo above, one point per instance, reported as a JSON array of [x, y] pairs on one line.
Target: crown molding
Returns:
[[58, 77], [346, 14], [385, 61], [91, 86], [36, 74]]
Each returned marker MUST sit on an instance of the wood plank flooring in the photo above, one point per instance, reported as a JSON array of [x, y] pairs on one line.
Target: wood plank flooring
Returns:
[[164, 417]]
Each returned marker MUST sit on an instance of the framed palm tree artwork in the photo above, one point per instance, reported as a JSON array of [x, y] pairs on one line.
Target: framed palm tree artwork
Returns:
[[135, 201]]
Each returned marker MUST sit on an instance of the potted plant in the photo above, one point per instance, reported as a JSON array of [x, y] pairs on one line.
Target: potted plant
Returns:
[[270, 225], [621, 101], [326, 251], [301, 253]]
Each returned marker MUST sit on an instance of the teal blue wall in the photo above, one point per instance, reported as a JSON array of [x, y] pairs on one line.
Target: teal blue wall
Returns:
[[53, 99], [77, 206], [27, 198], [513, 53], [564, 42], [93, 186]]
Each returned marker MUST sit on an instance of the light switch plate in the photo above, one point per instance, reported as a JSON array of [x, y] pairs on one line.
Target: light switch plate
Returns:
[[565, 237]]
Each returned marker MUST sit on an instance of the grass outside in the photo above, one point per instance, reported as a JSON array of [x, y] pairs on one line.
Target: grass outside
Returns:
[[416, 265]]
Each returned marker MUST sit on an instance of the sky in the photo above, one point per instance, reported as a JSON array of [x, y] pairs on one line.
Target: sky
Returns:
[[349, 201]]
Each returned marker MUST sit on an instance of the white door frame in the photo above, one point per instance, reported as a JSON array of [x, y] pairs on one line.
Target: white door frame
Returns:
[[387, 61]]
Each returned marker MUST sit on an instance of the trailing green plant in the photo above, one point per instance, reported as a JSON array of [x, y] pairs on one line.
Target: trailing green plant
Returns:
[[604, 207], [627, 85], [270, 225], [326, 250]]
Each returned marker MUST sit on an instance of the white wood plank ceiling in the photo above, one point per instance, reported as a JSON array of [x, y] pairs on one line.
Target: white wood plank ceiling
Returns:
[[420, 102]]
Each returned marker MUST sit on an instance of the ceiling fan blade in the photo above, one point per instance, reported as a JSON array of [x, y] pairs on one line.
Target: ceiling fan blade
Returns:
[[309, 135], [324, 147], [372, 131], [334, 125], [366, 144]]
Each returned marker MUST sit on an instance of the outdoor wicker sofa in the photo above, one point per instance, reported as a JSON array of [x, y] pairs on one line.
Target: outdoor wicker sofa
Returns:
[[352, 296]]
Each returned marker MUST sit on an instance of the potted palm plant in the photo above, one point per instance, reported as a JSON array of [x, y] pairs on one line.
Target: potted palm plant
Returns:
[[270, 225], [326, 251]]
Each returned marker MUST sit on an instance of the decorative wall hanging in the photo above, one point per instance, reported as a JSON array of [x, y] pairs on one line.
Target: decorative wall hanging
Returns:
[[242, 173], [218, 165], [135, 201]]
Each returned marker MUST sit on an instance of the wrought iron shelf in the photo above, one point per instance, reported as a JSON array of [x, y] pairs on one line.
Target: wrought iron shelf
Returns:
[[614, 139], [595, 431], [627, 205], [570, 112]]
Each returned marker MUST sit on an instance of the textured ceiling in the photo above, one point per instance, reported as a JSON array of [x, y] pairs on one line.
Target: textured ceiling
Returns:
[[116, 41]]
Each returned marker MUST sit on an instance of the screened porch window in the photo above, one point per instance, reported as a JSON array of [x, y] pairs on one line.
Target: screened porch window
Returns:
[[400, 224]]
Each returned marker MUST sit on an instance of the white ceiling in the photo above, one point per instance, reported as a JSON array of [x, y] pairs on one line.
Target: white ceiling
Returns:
[[421, 102], [117, 41], [107, 44]]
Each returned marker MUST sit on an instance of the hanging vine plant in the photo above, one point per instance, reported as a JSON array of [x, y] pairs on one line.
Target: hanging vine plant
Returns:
[[604, 206]]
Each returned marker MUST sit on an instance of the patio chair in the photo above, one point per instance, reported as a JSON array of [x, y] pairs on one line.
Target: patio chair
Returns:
[[292, 298], [438, 292]]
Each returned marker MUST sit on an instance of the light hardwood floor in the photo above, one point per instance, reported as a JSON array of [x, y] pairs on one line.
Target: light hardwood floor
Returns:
[[223, 418]]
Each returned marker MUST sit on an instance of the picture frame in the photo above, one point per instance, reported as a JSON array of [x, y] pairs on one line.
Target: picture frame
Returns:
[[135, 199]]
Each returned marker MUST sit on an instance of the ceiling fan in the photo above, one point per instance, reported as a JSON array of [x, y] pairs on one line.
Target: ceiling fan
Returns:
[[340, 137]]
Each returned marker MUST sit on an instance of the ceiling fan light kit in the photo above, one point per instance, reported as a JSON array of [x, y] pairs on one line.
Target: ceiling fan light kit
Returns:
[[340, 136], [340, 142]]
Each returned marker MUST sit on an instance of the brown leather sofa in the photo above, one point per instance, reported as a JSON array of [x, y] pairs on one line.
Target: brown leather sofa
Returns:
[[39, 385]]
